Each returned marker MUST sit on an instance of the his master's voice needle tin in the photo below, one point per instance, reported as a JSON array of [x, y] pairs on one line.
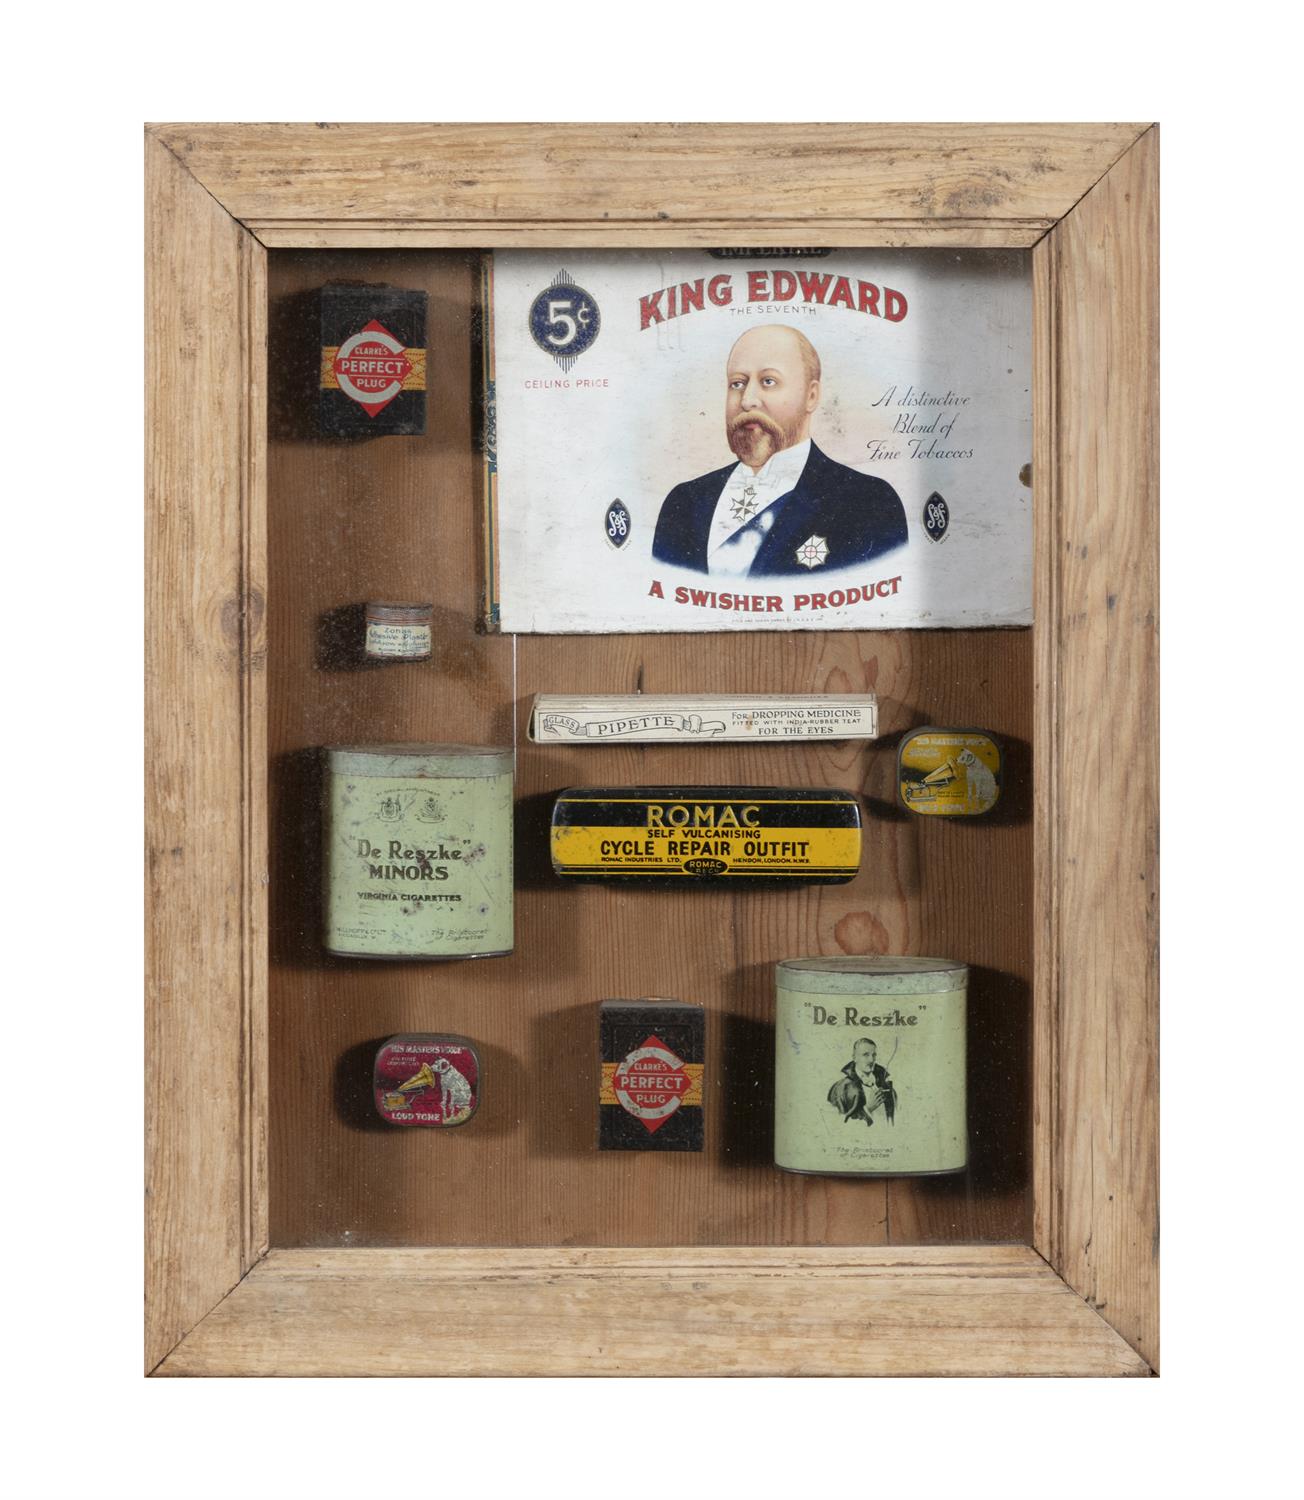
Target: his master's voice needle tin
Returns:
[[949, 773], [426, 1080], [418, 846], [870, 1066]]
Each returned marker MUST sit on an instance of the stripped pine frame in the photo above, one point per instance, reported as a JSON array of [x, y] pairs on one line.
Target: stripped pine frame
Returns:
[[1082, 1298]]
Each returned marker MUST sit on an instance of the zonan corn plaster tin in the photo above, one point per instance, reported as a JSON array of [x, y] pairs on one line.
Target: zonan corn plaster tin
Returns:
[[870, 1066], [418, 846], [398, 632]]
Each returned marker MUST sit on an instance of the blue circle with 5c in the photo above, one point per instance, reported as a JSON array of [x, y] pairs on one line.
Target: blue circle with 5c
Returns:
[[564, 320]]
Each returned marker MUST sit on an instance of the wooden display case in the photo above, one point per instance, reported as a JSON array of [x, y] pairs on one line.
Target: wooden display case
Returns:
[[287, 1234]]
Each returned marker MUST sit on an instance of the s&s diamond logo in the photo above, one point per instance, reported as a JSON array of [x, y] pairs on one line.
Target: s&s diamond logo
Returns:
[[937, 517], [616, 523]]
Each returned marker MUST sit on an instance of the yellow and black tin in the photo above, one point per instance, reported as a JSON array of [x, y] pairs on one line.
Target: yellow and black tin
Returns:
[[949, 773], [805, 835], [870, 1066]]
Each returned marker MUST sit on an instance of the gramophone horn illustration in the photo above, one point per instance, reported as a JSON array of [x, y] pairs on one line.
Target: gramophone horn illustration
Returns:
[[943, 775], [422, 1079], [952, 772], [442, 1091]]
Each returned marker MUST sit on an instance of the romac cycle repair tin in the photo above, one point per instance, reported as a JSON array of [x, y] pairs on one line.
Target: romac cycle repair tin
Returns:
[[418, 851], [870, 1066], [798, 835]]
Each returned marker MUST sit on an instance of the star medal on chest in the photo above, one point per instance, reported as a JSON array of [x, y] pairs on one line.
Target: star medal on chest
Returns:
[[813, 552], [744, 507]]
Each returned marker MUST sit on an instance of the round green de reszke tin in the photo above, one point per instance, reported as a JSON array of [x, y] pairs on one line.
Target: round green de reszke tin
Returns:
[[870, 1066], [418, 851]]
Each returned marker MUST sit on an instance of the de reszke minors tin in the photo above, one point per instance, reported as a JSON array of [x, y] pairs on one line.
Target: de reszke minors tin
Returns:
[[418, 845]]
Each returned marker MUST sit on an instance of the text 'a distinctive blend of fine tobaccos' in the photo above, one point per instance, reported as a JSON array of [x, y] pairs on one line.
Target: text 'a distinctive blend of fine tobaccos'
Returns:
[[418, 851], [870, 1066]]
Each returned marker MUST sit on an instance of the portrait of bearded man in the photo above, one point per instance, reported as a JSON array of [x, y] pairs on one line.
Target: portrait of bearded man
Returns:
[[784, 507]]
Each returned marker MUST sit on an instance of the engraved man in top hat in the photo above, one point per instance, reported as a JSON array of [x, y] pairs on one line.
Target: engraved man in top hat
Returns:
[[784, 507], [864, 1086]]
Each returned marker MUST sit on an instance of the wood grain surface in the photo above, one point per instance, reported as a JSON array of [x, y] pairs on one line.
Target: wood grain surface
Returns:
[[1097, 827], [400, 518], [982, 1311], [206, 823], [618, 178], [397, 234]]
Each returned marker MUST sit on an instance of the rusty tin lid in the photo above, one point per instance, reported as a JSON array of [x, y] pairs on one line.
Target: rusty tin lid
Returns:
[[419, 760], [385, 612], [871, 974]]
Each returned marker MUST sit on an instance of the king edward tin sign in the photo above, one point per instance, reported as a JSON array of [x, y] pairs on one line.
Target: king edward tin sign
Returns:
[[766, 442]]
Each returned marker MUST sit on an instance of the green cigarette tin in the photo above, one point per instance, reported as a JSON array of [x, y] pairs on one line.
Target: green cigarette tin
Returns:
[[418, 851], [870, 1066]]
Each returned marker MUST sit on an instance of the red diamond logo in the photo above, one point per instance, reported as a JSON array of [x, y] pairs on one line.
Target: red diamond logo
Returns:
[[371, 367], [650, 1083]]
